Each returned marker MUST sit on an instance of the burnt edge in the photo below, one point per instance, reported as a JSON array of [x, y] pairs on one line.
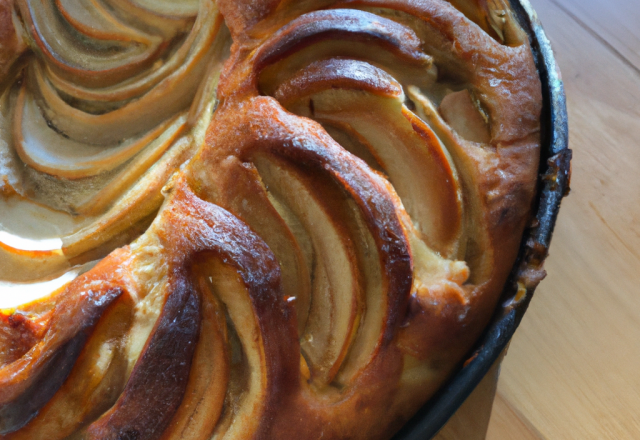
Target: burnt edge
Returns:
[[553, 185]]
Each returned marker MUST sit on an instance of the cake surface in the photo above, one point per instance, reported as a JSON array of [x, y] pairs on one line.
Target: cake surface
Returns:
[[253, 218]]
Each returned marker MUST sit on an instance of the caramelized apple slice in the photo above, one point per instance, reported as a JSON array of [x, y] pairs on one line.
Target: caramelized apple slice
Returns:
[[336, 303], [246, 409], [260, 130], [466, 158], [412, 156], [338, 73], [149, 399], [342, 24], [96, 381], [502, 78], [30, 381], [204, 397], [242, 192], [245, 275], [332, 33]]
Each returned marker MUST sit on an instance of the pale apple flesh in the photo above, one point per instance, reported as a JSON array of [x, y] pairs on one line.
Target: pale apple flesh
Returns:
[[148, 400], [88, 160], [336, 306], [417, 164], [374, 307]]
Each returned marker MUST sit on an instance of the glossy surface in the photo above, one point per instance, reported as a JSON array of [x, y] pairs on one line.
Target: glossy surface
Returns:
[[387, 285]]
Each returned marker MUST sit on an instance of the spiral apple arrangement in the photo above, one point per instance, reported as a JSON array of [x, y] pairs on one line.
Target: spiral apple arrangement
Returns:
[[302, 213]]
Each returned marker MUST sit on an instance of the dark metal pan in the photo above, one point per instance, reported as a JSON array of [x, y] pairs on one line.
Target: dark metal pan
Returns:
[[553, 186]]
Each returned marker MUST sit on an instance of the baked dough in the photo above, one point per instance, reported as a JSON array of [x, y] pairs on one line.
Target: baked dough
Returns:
[[253, 218]]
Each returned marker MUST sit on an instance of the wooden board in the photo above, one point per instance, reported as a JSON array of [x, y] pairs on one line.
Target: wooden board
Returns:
[[573, 368]]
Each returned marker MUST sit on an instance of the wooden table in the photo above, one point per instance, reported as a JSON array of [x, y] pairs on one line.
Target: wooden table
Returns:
[[573, 368]]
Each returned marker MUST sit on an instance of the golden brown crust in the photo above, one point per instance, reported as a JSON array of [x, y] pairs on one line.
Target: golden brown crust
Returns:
[[334, 246], [11, 44]]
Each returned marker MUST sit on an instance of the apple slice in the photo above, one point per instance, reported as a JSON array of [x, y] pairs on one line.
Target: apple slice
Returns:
[[245, 408], [332, 33], [353, 142], [165, 17], [151, 167], [260, 130], [465, 117], [148, 397], [169, 8], [189, 237], [467, 157], [307, 171], [342, 24], [336, 301], [495, 17], [114, 206], [502, 78], [30, 381], [30, 244], [204, 398], [14, 294], [36, 249], [49, 151], [96, 381], [138, 167], [132, 210], [177, 65], [173, 85], [109, 62], [338, 73], [176, 93], [93, 19], [245, 276], [241, 191], [411, 155], [19, 265]]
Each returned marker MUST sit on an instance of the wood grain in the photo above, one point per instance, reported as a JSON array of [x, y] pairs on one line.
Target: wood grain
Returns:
[[614, 22], [508, 423], [573, 369], [471, 420]]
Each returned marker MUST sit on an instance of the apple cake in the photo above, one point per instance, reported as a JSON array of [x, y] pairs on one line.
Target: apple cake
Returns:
[[239, 219]]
